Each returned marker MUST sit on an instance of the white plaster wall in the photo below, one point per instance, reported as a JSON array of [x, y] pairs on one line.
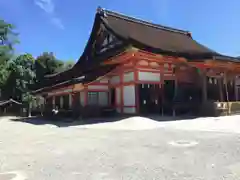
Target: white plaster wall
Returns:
[[50, 93], [237, 81], [129, 76], [129, 110], [118, 94], [129, 95], [104, 80], [67, 90], [115, 80], [98, 87], [82, 98], [59, 92], [149, 76], [103, 98]]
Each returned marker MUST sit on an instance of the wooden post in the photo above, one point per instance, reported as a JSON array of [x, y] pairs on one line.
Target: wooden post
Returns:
[[236, 88], [86, 97], [220, 84], [162, 97], [226, 89], [204, 86], [121, 92], [175, 92], [136, 91], [162, 91]]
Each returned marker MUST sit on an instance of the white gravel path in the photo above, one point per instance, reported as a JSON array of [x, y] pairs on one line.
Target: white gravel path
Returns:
[[149, 149], [230, 124], [132, 123]]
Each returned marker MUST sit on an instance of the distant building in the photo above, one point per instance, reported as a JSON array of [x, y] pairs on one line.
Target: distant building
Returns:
[[10, 107]]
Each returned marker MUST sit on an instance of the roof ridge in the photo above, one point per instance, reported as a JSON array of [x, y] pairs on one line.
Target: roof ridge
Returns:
[[137, 20]]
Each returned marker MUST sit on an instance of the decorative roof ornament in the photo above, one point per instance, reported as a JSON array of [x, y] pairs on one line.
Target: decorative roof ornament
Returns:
[[189, 34], [101, 11]]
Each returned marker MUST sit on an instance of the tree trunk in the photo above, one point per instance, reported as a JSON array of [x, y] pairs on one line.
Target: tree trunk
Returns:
[[29, 110]]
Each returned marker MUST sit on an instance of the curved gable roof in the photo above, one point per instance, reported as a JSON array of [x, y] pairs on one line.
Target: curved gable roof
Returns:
[[157, 37], [144, 35]]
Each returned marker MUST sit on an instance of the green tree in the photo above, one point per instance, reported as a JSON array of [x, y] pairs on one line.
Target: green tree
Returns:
[[49, 63], [8, 38], [46, 64], [68, 64], [22, 75]]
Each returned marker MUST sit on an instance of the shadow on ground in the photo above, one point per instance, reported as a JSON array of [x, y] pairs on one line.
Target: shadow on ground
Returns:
[[63, 122]]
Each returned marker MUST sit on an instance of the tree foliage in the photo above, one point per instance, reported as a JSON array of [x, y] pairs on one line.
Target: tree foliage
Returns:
[[8, 38], [19, 73], [21, 76], [49, 63], [68, 64]]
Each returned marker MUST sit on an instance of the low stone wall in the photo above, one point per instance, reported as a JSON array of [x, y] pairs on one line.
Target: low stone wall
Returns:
[[212, 108]]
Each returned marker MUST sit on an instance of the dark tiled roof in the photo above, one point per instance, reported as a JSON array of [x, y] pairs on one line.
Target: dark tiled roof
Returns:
[[4, 102], [162, 38], [84, 78], [226, 58]]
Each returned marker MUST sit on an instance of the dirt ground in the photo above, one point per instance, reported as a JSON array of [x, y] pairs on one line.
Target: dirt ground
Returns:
[[131, 148]]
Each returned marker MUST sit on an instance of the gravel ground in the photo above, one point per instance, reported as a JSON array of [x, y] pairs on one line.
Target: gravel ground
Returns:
[[230, 124], [129, 149]]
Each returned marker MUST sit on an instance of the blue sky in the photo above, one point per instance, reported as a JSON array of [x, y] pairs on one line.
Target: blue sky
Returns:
[[63, 26]]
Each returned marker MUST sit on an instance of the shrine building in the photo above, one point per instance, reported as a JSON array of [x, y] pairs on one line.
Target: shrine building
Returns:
[[138, 67]]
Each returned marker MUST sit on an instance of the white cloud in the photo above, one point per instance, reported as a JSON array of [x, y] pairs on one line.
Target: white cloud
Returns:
[[49, 7], [57, 22], [46, 5]]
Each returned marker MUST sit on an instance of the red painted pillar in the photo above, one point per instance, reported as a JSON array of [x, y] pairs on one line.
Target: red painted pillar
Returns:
[[73, 99], [136, 90], [121, 92], [85, 96]]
